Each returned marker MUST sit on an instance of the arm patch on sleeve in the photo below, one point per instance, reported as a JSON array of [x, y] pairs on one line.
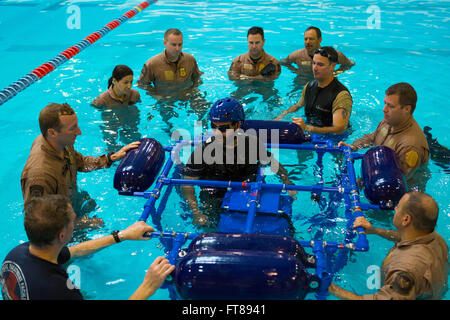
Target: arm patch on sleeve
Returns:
[[403, 283], [36, 191], [411, 158]]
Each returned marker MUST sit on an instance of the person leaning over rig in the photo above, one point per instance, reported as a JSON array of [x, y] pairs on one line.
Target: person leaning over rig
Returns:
[[34, 270], [53, 163], [416, 267], [399, 130]]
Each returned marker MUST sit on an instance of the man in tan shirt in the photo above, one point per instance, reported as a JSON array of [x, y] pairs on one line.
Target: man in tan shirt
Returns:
[[328, 103], [303, 58], [416, 267], [398, 130], [53, 163], [256, 63], [170, 67]]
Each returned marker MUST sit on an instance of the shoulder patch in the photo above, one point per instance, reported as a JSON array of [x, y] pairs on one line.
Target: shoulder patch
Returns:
[[411, 158], [403, 283], [36, 191]]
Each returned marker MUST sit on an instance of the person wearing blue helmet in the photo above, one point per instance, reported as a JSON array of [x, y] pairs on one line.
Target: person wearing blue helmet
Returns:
[[228, 111], [229, 155]]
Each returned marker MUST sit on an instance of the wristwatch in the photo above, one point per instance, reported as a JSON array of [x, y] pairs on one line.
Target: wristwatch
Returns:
[[118, 237], [108, 157]]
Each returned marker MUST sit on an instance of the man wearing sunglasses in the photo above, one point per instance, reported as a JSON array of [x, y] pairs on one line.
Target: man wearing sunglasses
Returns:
[[328, 103], [229, 155], [303, 58]]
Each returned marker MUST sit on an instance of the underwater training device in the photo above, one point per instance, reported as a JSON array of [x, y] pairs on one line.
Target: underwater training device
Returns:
[[253, 254]]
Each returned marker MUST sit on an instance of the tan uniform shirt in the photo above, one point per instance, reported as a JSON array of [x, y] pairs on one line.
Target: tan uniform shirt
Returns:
[[109, 99], [159, 69], [414, 269], [45, 172], [408, 142], [304, 61], [244, 65]]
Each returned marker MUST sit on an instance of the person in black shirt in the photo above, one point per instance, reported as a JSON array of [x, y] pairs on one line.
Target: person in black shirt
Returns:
[[328, 103], [229, 155], [33, 270]]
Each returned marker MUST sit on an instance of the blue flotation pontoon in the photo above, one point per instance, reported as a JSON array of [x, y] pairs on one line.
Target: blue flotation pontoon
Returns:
[[253, 254]]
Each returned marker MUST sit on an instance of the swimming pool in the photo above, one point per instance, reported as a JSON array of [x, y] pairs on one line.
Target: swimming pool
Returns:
[[411, 44]]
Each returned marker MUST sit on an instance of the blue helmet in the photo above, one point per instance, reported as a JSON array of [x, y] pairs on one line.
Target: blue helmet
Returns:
[[227, 109]]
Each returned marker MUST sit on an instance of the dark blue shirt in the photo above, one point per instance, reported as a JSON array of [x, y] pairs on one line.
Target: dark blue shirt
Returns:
[[27, 277]]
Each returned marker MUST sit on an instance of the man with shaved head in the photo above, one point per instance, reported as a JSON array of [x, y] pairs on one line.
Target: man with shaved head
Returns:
[[172, 66], [416, 267]]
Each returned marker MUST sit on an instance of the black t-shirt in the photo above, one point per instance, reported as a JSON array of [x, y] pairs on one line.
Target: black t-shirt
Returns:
[[27, 277], [240, 164]]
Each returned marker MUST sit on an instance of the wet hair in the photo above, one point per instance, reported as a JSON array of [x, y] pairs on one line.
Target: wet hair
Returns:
[[170, 31], [317, 30], [49, 116], [328, 52], [406, 94], [119, 72], [256, 30], [45, 218], [423, 210]]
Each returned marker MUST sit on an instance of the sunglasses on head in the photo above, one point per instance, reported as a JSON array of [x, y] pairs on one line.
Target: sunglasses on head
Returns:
[[325, 54], [222, 128]]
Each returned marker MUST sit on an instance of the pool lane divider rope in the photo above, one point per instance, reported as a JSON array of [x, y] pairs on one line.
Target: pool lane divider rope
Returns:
[[40, 72]]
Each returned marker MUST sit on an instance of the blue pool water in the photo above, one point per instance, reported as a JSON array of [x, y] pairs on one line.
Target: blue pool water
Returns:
[[411, 43]]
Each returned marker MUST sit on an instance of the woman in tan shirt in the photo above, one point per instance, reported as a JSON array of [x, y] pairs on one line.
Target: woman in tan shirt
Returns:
[[119, 91], [120, 117]]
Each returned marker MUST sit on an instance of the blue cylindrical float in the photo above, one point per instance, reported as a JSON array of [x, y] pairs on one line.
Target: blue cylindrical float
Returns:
[[242, 274], [288, 132], [139, 168], [251, 241], [384, 181]]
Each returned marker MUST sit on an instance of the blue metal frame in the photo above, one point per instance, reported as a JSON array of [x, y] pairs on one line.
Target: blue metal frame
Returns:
[[322, 250]]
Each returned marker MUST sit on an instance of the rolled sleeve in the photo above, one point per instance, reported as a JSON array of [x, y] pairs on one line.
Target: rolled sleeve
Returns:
[[88, 163]]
